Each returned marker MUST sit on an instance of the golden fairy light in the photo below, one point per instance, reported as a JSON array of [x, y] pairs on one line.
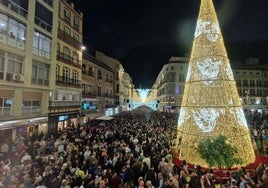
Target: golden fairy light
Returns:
[[211, 103]]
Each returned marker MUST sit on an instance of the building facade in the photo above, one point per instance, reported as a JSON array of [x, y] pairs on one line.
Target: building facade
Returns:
[[251, 81], [252, 84], [40, 66], [98, 93], [170, 84], [65, 96], [27, 54]]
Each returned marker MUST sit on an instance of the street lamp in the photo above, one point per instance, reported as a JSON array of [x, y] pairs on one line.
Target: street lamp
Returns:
[[247, 94]]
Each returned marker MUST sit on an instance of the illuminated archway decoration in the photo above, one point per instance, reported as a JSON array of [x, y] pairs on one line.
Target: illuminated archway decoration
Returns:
[[143, 94], [211, 104]]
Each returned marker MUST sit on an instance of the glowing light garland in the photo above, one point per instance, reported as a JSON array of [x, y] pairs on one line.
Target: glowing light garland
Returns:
[[208, 70], [211, 104]]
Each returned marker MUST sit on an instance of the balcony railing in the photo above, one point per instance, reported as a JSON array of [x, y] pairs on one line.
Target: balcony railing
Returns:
[[43, 24], [31, 109], [14, 7], [60, 80], [61, 104], [89, 93], [5, 111], [69, 39], [68, 59]]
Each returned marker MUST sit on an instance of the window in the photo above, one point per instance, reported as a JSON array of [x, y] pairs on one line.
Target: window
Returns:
[[15, 63], [67, 30], [42, 43], [99, 90], [66, 53], [58, 47], [67, 15], [40, 73], [57, 72], [75, 77], [76, 23], [56, 95], [259, 83], [30, 107], [83, 69], [12, 27], [91, 71], [43, 17], [245, 83], [259, 92], [252, 83], [99, 74], [76, 37], [5, 106], [2, 60], [66, 74], [107, 78], [88, 89], [75, 58]]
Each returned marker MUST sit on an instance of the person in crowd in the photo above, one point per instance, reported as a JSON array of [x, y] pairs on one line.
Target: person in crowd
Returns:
[[119, 152]]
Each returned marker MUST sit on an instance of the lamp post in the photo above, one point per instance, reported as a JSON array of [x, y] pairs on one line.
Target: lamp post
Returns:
[[247, 95]]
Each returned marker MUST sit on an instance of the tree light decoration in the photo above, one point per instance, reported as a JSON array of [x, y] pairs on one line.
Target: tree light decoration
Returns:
[[211, 104]]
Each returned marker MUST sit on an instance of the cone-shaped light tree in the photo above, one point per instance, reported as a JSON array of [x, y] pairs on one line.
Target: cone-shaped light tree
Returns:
[[211, 104]]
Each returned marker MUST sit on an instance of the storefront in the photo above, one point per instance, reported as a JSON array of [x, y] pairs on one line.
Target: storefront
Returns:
[[60, 121], [10, 130]]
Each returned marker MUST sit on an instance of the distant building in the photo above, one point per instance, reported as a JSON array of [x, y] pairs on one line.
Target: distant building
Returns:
[[170, 84], [252, 84], [97, 87], [251, 80]]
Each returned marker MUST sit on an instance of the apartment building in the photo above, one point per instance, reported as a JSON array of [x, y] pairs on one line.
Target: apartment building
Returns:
[[65, 97], [251, 81], [252, 84], [170, 84], [27, 61], [122, 82], [40, 66], [97, 88]]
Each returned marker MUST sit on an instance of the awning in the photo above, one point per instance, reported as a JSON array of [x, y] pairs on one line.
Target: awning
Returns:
[[104, 118], [22, 122]]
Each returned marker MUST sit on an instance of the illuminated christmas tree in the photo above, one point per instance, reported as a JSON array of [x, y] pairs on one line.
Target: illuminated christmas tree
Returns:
[[211, 104]]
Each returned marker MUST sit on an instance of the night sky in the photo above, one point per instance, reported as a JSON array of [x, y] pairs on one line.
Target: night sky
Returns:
[[144, 34]]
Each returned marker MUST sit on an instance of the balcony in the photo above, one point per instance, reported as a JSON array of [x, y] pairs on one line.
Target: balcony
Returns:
[[11, 41], [31, 110], [64, 81], [42, 24], [5, 111], [64, 104], [69, 40], [14, 7], [89, 94], [107, 95], [65, 58]]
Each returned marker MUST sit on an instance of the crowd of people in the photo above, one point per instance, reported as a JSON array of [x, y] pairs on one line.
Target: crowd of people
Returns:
[[129, 151]]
